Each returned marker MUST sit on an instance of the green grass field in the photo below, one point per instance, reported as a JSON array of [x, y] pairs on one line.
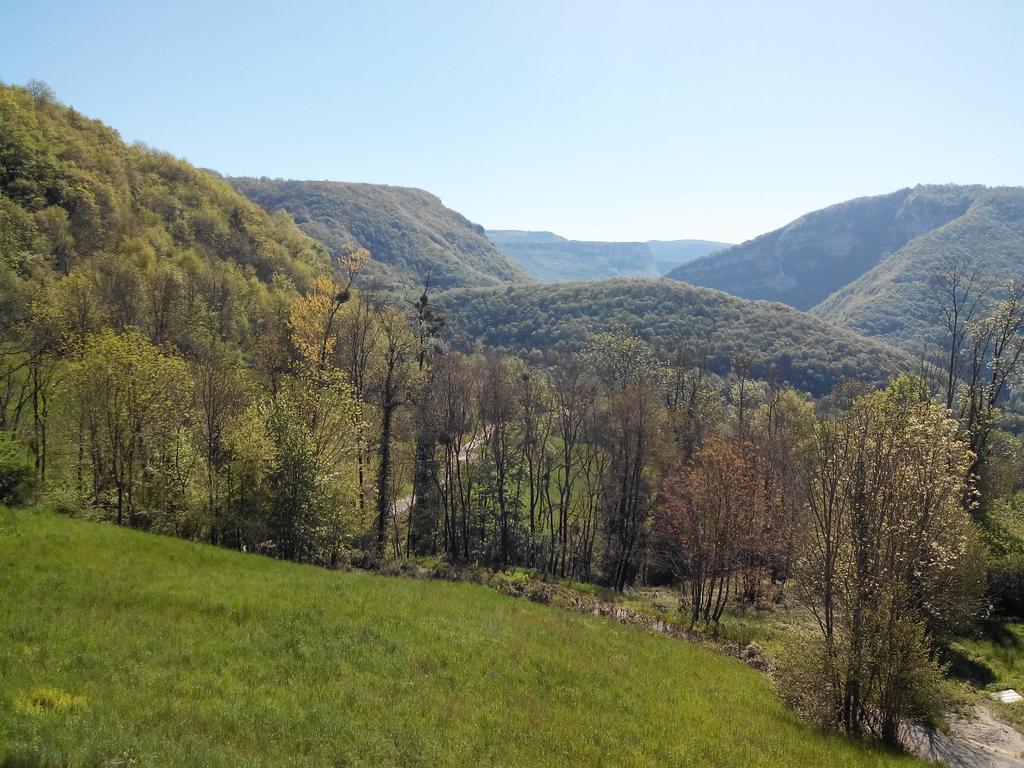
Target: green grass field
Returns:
[[124, 648]]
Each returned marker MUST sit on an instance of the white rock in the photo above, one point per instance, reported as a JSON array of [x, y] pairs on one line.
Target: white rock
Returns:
[[1009, 696]]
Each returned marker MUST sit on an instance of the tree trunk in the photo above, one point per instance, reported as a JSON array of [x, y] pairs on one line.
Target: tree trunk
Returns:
[[384, 468]]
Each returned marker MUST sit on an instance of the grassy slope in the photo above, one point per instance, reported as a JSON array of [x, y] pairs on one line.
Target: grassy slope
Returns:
[[183, 654]]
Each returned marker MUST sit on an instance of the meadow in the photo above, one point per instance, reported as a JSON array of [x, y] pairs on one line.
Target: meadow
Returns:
[[124, 648]]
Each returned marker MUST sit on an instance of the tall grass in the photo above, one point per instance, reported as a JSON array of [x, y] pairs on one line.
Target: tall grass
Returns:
[[123, 648]]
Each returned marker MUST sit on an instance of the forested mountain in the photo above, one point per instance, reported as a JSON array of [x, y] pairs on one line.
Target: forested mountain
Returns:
[[551, 258], [797, 348], [144, 307], [73, 194], [804, 262], [895, 300], [410, 234]]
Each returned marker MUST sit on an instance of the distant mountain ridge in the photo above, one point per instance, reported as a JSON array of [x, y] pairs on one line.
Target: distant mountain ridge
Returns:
[[411, 235], [892, 300], [868, 263], [552, 258], [804, 262]]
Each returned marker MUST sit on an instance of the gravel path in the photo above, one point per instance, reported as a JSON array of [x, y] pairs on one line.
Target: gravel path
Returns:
[[976, 741]]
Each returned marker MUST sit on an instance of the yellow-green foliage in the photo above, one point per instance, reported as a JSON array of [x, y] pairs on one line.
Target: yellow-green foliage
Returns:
[[165, 653], [70, 189]]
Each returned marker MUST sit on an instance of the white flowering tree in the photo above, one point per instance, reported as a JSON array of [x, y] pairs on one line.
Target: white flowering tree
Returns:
[[886, 560]]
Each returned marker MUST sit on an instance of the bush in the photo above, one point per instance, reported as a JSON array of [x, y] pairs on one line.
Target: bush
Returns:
[[802, 682], [511, 583], [16, 474], [898, 685], [539, 592], [68, 500]]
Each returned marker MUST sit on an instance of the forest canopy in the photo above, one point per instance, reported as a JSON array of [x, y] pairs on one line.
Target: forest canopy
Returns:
[[779, 342]]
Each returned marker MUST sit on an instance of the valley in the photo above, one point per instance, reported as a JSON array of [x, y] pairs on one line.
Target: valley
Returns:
[[235, 409], [551, 258]]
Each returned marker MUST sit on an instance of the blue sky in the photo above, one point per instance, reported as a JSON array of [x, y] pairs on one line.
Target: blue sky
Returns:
[[629, 120]]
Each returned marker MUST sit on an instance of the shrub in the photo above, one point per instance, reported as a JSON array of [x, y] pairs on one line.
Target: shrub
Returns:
[[907, 686], [68, 500], [16, 473], [539, 592], [799, 682], [511, 582]]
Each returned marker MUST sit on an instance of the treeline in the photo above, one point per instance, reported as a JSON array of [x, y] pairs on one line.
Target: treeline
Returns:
[[332, 425], [554, 466]]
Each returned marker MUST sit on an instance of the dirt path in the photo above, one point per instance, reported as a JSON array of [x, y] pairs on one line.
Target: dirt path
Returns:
[[977, 741], [403, 504]]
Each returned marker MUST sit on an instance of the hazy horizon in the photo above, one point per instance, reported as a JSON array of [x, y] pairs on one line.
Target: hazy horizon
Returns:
[[615, 122]]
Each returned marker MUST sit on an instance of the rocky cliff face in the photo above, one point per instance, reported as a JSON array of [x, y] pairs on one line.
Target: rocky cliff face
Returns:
[[804, 262], [928, 208], [892, 300]]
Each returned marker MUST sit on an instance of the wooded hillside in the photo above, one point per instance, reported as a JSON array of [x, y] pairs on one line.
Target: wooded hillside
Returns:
[[896, 299], [808, 259], [792, 346], [410, 234]]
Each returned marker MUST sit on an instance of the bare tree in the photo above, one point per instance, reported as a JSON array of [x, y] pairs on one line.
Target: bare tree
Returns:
[[956, 289], [424, 510], [455, 393], [573, 399], [997, 347], [688, 397], [397, 348], [500, 412]]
